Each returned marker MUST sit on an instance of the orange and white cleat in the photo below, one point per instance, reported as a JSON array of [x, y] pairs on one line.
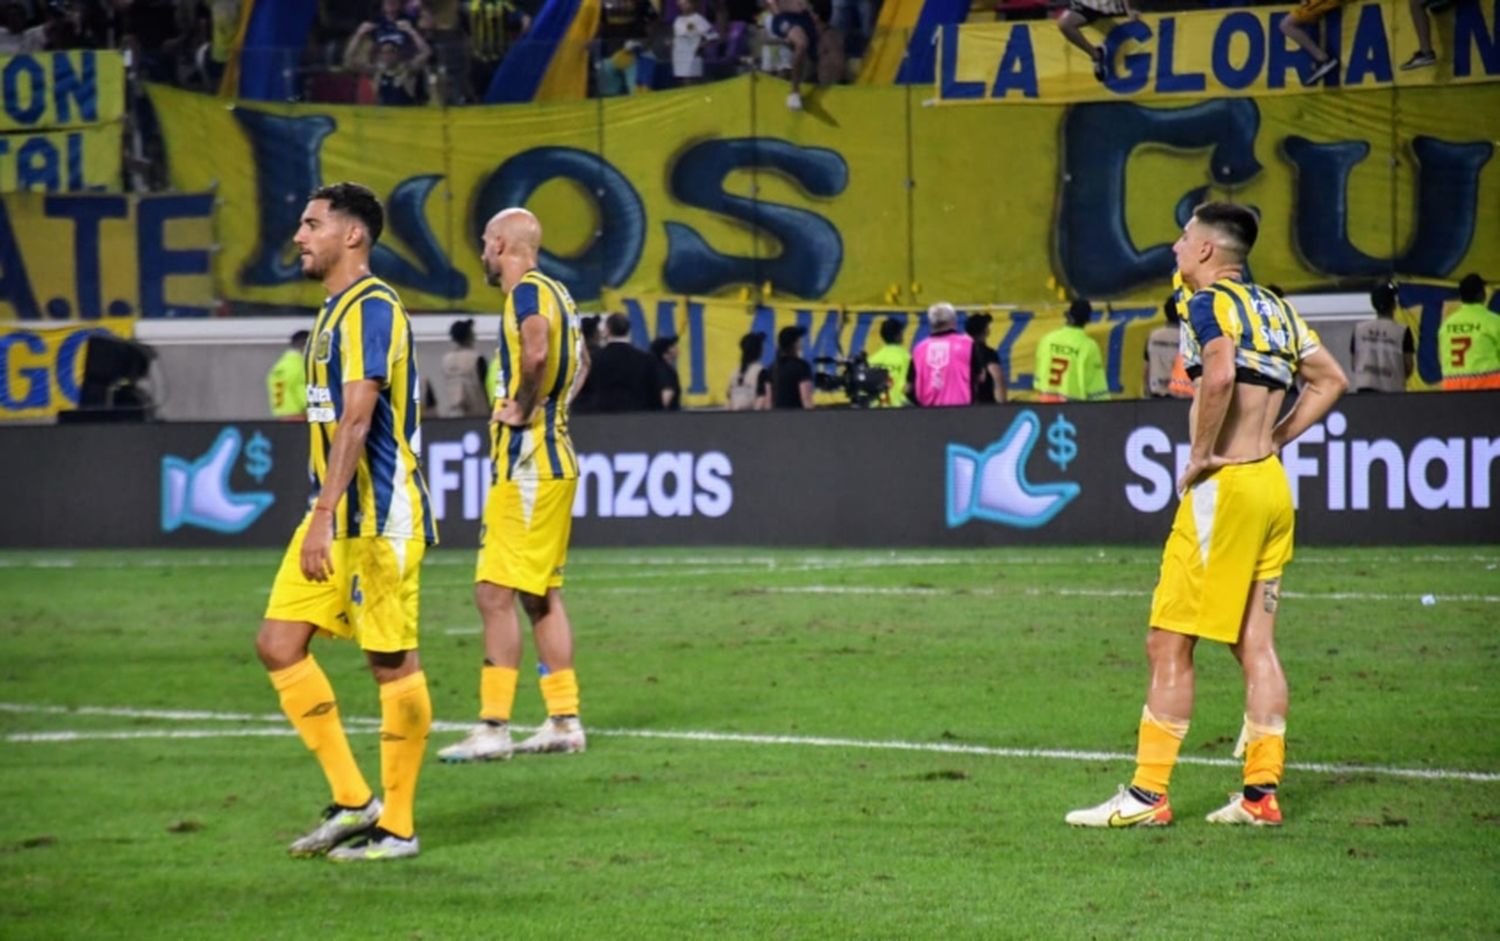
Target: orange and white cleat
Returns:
[[1265, 812], [1123, 810]]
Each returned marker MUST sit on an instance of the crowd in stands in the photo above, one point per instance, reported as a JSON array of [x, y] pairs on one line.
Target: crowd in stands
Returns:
[[405, 52]]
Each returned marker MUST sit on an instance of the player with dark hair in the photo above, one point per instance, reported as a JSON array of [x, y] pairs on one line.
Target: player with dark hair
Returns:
[[1232, 535], [352, 567]]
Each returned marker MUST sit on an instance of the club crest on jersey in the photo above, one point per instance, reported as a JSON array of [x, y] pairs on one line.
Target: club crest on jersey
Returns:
[[324, 347]]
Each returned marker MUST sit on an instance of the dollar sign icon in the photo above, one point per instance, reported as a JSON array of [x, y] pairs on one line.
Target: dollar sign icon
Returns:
[[258, 456], [1060, 447]]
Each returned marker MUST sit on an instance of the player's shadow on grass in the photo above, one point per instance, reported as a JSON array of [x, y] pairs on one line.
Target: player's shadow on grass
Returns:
[[483, 820]]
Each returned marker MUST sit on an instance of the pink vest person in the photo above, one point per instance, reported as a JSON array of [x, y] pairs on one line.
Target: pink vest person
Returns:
[[942, 363]]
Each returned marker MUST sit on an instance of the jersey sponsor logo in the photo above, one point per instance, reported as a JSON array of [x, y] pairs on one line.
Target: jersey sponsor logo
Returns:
[[197, 492], [992, 485], [320, 405]]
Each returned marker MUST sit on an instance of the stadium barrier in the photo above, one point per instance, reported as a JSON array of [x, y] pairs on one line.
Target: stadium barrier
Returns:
[[1397, 470]]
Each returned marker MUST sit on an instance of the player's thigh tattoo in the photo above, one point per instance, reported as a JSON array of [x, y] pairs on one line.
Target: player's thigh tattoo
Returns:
[[1272, 595]]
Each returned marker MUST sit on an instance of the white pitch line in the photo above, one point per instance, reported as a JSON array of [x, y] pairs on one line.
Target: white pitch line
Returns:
[[365, 725], [1088, 593], [749, 565]]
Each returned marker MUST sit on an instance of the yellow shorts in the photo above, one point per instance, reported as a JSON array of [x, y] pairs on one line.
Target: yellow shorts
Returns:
[[1310, 11], [523, 541], [371, 599], [1231, 530]]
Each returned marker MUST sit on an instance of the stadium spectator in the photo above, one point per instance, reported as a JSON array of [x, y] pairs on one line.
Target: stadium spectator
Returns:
[[486, 22], [749, 387], [385, 25], [351, 546], [1069, 367], [988, 377], [942, 364], [1166, 377], [399, 78], [528, 515], [664, 350], [1232, 535], [589, 327], [1422, 24], [617, 71], [441, 24], [460, 389], [223, 22], [895, 359], [690, 30], [795, 24], [775, 55], [18, 36], [623, 377], [1294, 26], [1469, 341], [791, 375], [1082, 12], [152, 34], [854, 20], [286, 383], [1382, 350]]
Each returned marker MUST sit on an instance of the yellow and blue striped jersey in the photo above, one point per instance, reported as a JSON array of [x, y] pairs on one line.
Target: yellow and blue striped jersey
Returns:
[[542, 450], [1270, 338], [363, 332]]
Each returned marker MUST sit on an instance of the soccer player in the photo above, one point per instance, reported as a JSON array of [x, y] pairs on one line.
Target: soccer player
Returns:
[[352, 567], [1069, 367], [528, 516], [1221, 569], [1469, 341]]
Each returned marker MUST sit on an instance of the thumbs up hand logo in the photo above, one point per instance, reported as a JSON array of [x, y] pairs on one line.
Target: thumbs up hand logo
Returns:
[[197, 493], [991, 484]]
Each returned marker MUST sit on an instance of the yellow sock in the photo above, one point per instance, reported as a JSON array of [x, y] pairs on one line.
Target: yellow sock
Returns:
[[307, 699], [405, 718], [497, 692], [1156, 751], [560, 691], [1265, 751]]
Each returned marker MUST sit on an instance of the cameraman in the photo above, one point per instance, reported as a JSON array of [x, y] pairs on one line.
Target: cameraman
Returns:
[[791, 376], [942, 364]]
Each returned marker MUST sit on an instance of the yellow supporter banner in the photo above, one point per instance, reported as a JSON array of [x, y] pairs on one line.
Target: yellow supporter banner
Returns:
[[1234, 52], [61, 89], [709, 332], [41, 366], [84, 158], [89, 256], [864, 198]]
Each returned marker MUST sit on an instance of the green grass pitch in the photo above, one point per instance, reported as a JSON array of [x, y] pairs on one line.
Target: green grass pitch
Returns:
[[889, 743]]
